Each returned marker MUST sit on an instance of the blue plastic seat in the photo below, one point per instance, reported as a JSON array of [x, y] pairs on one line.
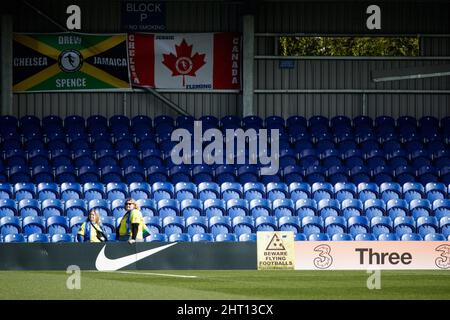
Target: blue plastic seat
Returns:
[[380, 225], [37, 238], [10, 225], [47, 190], [243, 224], [151, 157], [365, 237], [154, 224], [300, 237], [202, 237], [420, 208], [24, 190], [322, 190], [388, 237], [219, 224], [168, 207], [434, 237], [111, 173], [157, 237], [214, 207], [403, 225], [196, 224], [185, 190], [101, 206], [58, 237], [116, 190], [162, 190], [260, 207], [231, 190], [146, 206], [6, 191], [345, 190], [89, 174], [29, 207], [191, 207], [359, 174], [441, 208], [65, 174], [390, 190], [247, 237], [9, 238], [411, 237], [239, 207], [283, 207], [374, 208], [226, 237], [335, 224], [254, 190], [289, 223], [299, 190], [179, 237], [357, 225], [140, 190], [208, 190], [312, 224], [75, 223], [202, 174], [8, 207], [225, 174], [318, 237], [426, 225], [57, 225], [351, 208], [73, 207], [277, 191], [397, 208], [342, 237], [305, 207], [328, 207], [173, 224], [118, 209], [266, 223]]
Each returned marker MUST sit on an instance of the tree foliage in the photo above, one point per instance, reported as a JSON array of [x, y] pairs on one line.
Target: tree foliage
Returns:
[[349, 46]]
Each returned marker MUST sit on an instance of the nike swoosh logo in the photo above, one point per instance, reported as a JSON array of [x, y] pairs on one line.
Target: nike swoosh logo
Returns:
[[103, 263]]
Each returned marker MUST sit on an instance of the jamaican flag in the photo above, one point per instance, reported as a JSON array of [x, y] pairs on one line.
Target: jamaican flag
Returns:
[[70, 61]]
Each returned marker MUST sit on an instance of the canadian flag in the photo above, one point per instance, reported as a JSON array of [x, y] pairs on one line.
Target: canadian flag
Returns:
[[185, 61]]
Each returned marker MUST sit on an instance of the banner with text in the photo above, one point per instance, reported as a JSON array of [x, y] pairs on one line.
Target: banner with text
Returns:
[[207, 61], [275, 250], [70, 61], [364, 255]]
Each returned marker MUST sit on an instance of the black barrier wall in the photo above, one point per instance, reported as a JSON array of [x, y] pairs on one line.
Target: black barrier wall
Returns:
[[140, 256]]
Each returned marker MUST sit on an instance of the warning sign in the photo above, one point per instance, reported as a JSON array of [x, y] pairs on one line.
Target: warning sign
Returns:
[[275, 250]]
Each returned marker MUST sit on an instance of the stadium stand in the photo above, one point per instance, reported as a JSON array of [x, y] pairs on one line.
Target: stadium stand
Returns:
[[318, 193]]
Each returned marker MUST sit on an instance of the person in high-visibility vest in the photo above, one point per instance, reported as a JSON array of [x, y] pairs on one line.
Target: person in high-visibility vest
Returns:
[[92, 230], [132, 225]]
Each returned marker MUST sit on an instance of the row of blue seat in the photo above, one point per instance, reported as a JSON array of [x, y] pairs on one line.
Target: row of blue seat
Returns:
[[117, 120], [225, 173], [230, 237], [227, 190], [194, 222], [233, 207]]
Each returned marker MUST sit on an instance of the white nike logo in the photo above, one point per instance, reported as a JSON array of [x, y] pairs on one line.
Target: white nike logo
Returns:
[[103, 263]]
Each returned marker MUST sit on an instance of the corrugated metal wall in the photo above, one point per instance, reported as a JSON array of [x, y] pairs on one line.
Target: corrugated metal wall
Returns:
[[104, 17], [291, 17], [339, 74], [342, 17]]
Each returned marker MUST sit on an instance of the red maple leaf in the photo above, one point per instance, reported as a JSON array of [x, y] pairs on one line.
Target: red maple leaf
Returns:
[[183, 64]]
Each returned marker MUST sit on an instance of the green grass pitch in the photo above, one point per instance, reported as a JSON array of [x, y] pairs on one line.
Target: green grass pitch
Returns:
[[225, 284]]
